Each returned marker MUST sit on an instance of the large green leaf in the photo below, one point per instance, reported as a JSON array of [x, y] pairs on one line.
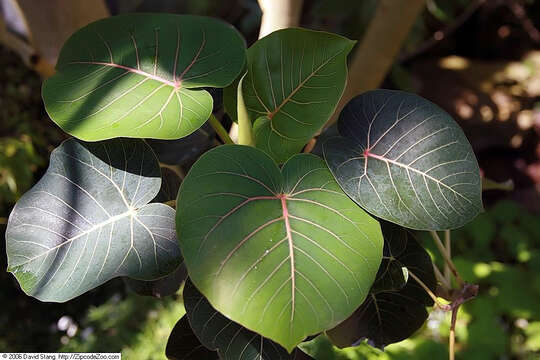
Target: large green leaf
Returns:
[[230, 340], [396, 306], [88, 220], [287, 254], [184, 345], [294, 81], [405, 160], [170, 284], [140, 75]]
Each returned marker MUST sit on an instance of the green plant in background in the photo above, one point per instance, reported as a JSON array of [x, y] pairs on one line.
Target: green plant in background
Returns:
[[279, 246], [18, 162]]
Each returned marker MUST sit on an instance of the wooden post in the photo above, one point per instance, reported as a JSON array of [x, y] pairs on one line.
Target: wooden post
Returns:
[[379, 47]]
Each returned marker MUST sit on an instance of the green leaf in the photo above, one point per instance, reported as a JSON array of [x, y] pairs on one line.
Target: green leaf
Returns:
[[294, 81], [184, 345], [405, 160], [286, 254], [141, 75], [170, 184], [396, 306], [88, 220], [230, 98], [159, 288], [533, 336], [184, 151], [170, 284], [488, 184], [230, 340]]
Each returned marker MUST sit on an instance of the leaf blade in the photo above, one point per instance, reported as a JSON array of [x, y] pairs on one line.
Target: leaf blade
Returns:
[[229, 339], [90, 193], [140, 75], [261, 254], [290, 93], [406, 161]]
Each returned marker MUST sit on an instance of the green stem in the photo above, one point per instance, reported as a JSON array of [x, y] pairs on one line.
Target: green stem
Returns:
[[171, 203], [429, 292], [441, 278], [220, 130], [449, 252], [446, 257], [245, 130], [452, 337]]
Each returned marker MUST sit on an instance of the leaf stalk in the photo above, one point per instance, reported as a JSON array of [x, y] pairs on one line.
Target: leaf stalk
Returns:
[[447, 258], [444, 307], [220, 130], [449, 252]]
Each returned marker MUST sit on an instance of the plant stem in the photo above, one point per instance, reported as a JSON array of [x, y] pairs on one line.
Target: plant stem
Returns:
[[429, 292], [310, 145], [3, 220], [446, 257], [441, 278], [171, 203], [452, 337], [449, 252], [220, 130], [245, 130]]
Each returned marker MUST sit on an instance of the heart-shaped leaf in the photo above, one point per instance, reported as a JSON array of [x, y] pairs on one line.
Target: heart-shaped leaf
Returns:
[[230, 340], [294, 81], [88, 220], [170, 284], [405, 160], [184, 345], [140, 75], [395, 307], [286, 254]]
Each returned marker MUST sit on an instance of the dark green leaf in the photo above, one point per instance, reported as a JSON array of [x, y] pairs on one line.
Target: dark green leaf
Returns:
[[184, 345], [88, 220], [140, 75], [230, 340], [186, 150], [405, 160], [230, 98], [170, 184], [286, 254], [294, 81], [331, 132], [159, 288], [395, 307]]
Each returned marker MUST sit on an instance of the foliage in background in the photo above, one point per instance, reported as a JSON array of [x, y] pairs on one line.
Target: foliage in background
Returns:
[[18, 162], [136, 326]]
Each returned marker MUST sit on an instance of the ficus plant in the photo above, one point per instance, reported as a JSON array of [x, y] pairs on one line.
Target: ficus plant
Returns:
[[275, 245]]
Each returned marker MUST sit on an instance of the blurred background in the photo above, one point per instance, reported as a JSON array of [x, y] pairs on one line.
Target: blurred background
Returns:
[[477, 59]]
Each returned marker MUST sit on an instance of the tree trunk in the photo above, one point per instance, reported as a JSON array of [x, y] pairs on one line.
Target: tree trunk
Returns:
[[379, 47], [51, 22], [279, 14]]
